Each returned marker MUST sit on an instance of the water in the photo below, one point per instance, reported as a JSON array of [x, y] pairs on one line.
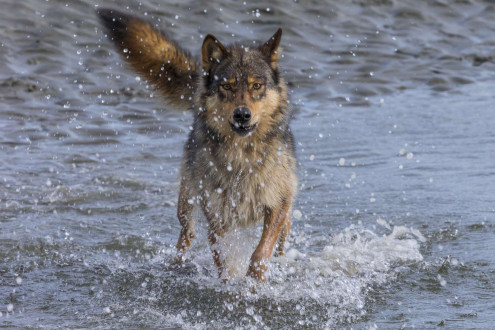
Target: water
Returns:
[[395, 215]]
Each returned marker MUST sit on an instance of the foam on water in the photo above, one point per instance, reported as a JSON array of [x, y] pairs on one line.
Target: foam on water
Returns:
[[328, 286]]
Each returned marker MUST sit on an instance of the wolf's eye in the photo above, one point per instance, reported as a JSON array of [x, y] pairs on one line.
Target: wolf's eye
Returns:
[[227, 87], [256, 86]]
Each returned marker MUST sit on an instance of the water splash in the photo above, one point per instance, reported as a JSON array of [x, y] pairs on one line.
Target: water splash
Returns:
[[310, 286]]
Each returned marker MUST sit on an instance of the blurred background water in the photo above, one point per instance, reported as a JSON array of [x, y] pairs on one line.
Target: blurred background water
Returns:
[[394, 222]]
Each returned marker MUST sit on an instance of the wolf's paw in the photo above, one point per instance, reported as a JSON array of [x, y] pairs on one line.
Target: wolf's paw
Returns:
[[257, 271]]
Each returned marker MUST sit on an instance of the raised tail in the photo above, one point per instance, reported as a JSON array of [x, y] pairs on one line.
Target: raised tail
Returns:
[[154, 56]]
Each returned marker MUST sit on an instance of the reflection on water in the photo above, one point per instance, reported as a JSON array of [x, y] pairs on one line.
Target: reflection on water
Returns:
[[394, 219]]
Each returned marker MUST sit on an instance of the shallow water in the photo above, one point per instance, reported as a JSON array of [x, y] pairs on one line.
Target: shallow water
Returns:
[[395, 214]]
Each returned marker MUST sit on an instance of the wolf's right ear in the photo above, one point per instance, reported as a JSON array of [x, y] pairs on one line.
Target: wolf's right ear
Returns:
[[212, 51]]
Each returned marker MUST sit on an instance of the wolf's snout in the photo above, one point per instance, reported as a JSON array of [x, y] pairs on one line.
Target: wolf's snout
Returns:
[[242, 115]]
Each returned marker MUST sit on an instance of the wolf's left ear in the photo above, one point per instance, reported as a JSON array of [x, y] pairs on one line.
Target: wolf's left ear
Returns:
[[270, 48], [212, 51]]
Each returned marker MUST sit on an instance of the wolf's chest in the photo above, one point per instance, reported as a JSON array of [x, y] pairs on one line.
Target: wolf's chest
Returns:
[[240, 196], [239, 185]]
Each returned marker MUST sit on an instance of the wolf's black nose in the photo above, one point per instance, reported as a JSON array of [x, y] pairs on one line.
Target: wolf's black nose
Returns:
[[242, 115]]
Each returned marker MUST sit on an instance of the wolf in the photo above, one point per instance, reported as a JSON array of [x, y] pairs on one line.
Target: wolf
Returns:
[[239, 163]]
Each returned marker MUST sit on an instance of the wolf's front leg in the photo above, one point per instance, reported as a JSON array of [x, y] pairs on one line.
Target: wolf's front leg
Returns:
[[184, 214], [284, 233], [214, 233], [275, 221]]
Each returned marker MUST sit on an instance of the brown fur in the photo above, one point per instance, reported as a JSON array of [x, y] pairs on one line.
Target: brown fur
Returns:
[[154, 56], [237, 176]]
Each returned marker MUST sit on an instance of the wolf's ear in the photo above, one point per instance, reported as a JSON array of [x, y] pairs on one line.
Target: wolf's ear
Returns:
[[270, 48], [212, 51]]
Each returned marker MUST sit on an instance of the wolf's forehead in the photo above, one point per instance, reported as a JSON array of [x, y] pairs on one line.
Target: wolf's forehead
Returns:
[[240, 66]]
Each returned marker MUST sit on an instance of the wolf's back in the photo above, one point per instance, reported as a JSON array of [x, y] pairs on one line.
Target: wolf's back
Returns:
[[154, 56]]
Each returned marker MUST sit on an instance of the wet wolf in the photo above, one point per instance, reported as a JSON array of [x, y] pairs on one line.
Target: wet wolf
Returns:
[[239, 164]]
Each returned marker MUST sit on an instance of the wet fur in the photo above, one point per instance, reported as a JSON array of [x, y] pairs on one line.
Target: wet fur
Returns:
[[236, 180], [154, 56]]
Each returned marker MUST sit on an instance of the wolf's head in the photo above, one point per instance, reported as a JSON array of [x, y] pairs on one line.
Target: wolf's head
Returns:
[[242, 93]]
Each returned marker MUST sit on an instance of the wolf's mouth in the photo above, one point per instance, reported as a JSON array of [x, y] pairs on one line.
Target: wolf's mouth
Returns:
[[242, 129]]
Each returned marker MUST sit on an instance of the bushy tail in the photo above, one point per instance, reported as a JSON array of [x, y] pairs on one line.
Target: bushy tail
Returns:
[[155, 57]]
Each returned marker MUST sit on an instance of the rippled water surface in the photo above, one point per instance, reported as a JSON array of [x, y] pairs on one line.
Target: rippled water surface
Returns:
[[395, 219]]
